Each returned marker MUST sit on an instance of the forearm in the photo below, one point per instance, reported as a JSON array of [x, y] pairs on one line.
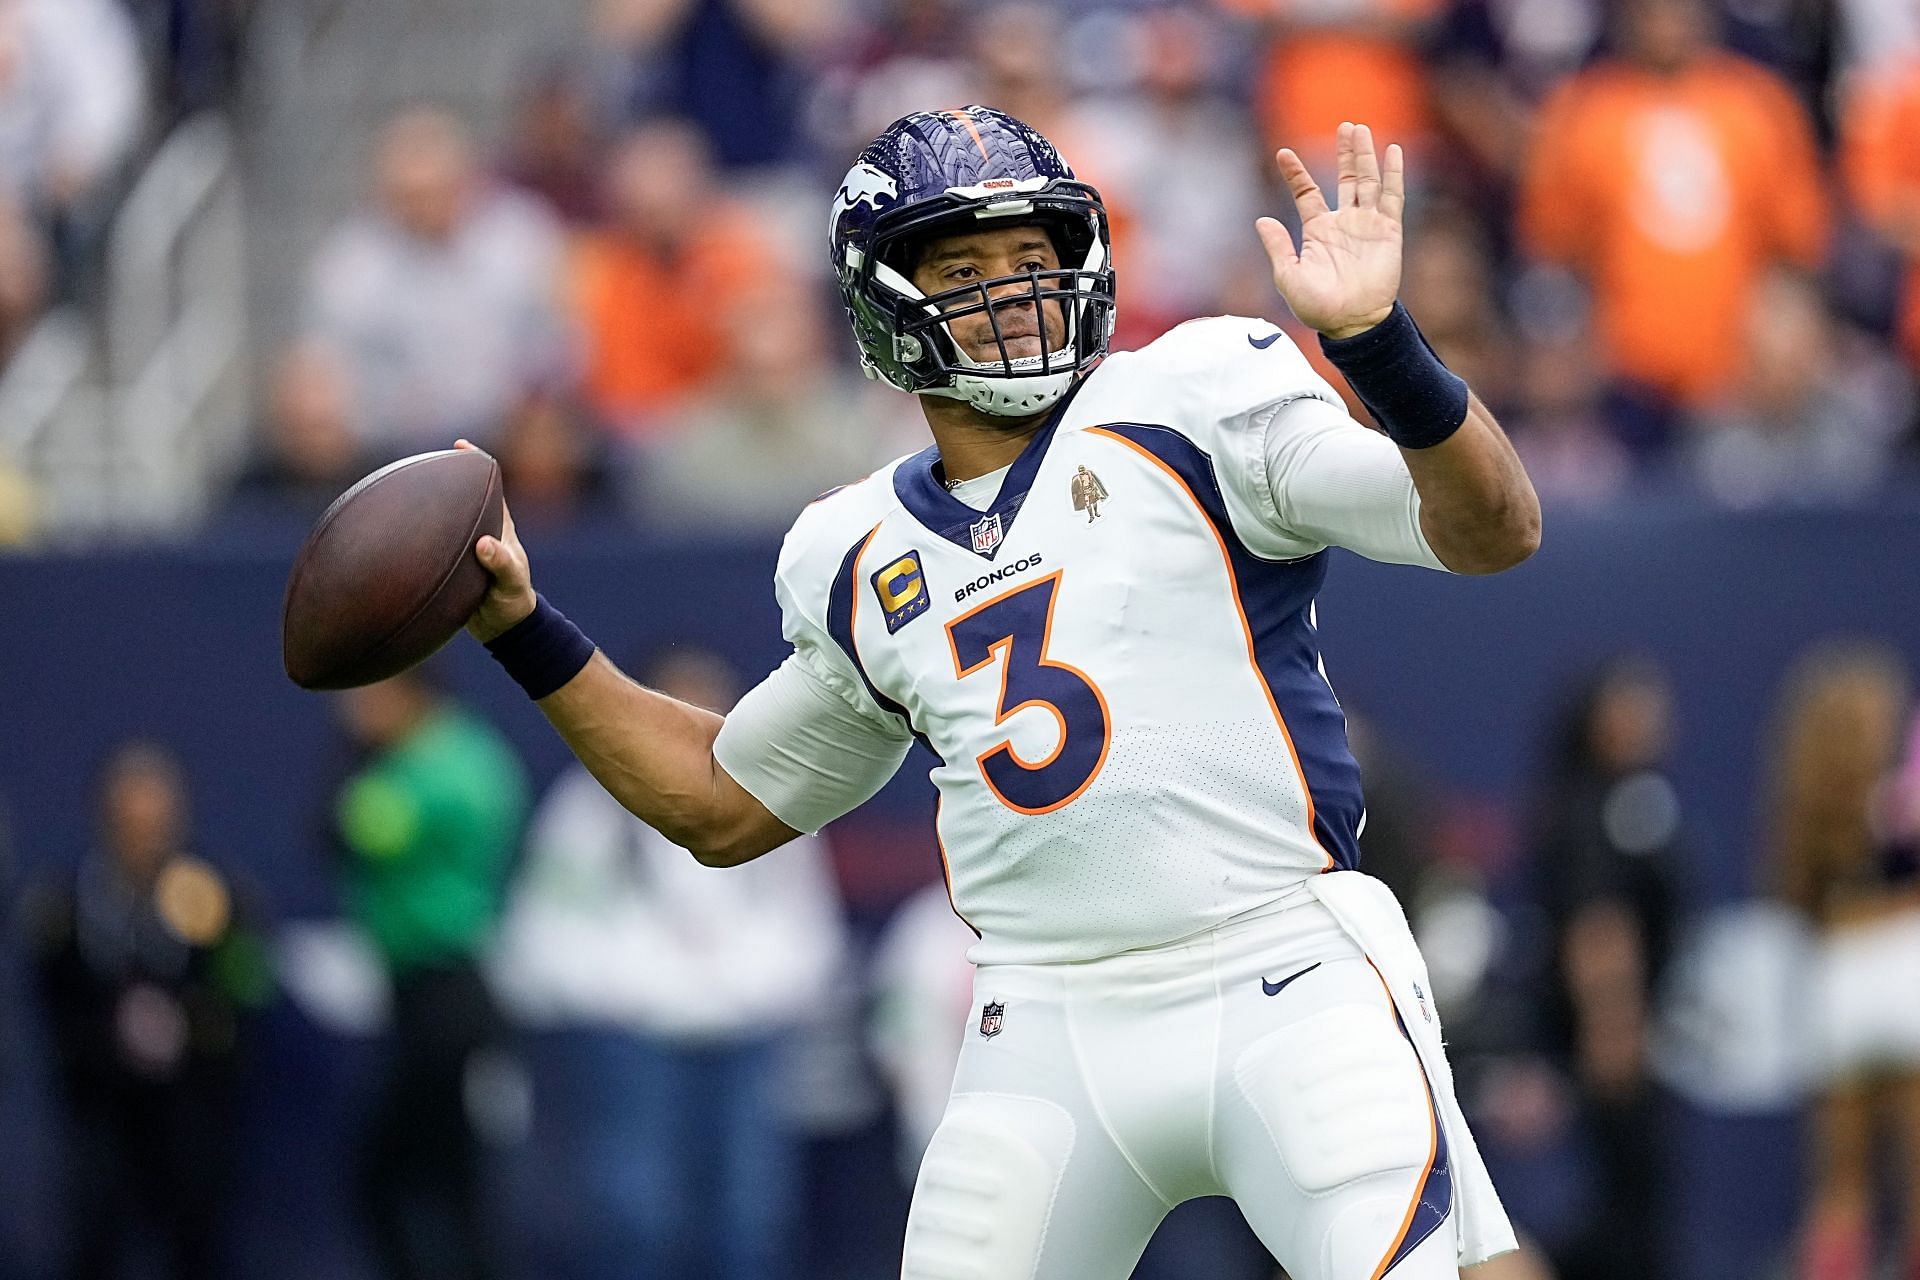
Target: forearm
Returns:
[[1478, 509], [654, 754]]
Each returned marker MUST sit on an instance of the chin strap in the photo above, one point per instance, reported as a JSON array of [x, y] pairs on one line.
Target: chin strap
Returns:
[[1009, 397], [1026, 391]]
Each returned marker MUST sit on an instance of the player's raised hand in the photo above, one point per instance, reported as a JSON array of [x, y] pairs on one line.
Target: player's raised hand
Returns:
[[1346, 273], [511, 597]]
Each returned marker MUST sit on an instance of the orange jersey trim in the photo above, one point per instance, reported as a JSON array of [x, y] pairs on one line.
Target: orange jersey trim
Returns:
[[1433, 1138], [1246, 628]]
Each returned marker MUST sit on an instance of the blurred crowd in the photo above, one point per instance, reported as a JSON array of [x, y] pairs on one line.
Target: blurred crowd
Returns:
[[1675, 244], [665, 1050], [1664, 239], [86, 87]]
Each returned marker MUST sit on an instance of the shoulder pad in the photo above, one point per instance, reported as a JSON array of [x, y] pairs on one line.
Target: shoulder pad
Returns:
[[1210, 341], [829, 526], [1213, 371]]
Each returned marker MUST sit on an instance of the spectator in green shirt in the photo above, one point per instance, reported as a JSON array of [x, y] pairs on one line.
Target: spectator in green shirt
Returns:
[[429, 824]]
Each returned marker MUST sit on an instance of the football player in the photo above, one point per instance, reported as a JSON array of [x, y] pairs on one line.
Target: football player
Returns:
[[1147, 809]]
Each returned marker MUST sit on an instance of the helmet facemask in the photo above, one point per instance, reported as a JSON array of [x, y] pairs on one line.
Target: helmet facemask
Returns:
[[926, 358]]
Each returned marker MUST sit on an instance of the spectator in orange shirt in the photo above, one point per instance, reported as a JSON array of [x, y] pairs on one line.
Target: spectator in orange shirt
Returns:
[[651, 286], [1329, 63], [1882, 163], [1671, 176]]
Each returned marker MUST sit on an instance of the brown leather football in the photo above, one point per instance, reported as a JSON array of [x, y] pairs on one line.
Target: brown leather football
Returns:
[[389, 574]]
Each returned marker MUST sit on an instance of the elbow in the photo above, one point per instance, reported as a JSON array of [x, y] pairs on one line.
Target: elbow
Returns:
[[717, 852], [717, 843], [702, 835], [1498, 545], [1519, 541], [710, 845], [713, 855]]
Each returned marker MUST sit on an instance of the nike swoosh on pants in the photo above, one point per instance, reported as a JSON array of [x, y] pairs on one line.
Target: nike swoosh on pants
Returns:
[[1275, 988]]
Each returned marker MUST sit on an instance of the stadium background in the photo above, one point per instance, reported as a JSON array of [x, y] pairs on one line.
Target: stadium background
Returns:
[[198, 285]]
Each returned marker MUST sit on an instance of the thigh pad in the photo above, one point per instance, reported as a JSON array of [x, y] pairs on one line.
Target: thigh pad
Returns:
[[1342, 1095], [986, 1189]]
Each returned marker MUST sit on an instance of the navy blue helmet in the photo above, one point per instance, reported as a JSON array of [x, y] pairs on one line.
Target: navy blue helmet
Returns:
[[943, 173]]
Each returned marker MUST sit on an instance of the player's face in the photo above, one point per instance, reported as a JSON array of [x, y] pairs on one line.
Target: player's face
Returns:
[[952, 262]]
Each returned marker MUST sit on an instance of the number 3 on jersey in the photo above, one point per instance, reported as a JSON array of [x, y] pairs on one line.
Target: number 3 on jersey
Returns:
[[1015, 628]]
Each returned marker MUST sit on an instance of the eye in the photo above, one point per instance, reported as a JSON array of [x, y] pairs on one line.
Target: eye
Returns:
[[1033, 264], [962, 274]]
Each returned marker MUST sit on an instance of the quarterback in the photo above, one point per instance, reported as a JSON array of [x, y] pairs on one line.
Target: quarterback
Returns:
[[1093, 599]]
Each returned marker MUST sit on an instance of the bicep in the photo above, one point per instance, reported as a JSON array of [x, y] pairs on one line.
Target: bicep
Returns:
[[1337, 483], [803, 752]]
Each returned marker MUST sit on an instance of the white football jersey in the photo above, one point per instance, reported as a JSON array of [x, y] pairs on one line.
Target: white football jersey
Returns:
[[1115, 661]]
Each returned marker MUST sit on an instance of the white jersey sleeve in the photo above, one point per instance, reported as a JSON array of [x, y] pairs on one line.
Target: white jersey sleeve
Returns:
[[1298, 474], [1338, 483], [809, 742]]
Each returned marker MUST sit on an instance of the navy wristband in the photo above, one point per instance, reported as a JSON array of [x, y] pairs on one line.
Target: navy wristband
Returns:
[[542, 651], [1416, 400]]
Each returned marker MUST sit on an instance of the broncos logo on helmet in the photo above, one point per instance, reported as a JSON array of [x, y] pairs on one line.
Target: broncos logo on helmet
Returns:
[[866, 185], [937, 173]]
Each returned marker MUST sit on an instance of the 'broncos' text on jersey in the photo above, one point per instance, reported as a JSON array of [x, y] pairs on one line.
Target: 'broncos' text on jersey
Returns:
[[1136, 735]]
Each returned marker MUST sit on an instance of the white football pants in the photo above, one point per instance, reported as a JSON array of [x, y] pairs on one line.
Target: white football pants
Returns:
[[1262, 1061]]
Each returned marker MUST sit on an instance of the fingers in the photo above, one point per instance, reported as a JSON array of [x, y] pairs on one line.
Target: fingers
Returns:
[[1280, 250], [1366, 169], [1300, 184], [464, 443], [501, 552], [493, 553], [503, 561], [1346, 165], [1273, 235], [1393, 184]]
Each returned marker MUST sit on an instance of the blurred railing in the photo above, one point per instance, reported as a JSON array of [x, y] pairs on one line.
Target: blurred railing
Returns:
[[118, 426], [53, 417], [175, 331], [129, 418]]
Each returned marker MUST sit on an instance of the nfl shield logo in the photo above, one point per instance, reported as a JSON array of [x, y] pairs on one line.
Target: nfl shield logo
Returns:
[[986, 533], [990, 1019]]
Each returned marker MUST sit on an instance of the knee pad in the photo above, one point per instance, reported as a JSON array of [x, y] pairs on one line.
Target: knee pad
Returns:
[[986, 1188], [1342, 1096]]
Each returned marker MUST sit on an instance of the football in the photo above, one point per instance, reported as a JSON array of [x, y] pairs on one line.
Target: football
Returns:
[[388, 574]]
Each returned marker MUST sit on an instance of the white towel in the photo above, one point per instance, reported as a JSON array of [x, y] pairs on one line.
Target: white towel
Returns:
[[1372, 917]]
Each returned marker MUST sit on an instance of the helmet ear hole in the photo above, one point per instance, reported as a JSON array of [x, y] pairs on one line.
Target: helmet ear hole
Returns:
[[1071, 240], [903, 253]]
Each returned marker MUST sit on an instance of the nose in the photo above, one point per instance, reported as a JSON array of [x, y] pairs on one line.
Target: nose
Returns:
[[1013, 297]]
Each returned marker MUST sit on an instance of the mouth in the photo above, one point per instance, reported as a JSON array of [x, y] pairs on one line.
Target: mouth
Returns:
[[1018, 346], [1020, 334]]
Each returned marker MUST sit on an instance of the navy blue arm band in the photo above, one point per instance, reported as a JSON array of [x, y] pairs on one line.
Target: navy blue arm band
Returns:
[[1416, 400], [542, 651]]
